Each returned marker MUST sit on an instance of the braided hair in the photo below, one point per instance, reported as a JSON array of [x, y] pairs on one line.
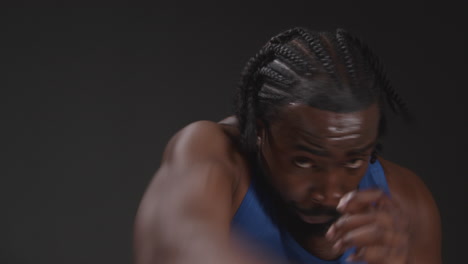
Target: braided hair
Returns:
[[329, 71]]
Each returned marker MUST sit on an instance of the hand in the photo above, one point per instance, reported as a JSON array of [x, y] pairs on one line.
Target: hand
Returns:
[[374, 224]]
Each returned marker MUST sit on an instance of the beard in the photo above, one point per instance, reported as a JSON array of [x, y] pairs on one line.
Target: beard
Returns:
[[318, 229]]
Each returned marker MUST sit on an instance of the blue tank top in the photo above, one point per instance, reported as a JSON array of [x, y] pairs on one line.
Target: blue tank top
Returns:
[[253, 220]]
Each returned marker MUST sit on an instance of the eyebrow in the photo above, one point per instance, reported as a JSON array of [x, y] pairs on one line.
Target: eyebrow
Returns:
[[317, 152], [324, 153], [361, 150]]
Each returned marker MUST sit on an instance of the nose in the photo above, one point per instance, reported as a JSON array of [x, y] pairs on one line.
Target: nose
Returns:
[[330, 190]]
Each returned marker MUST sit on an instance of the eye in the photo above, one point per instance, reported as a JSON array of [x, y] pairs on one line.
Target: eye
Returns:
[[303, 162], [354, 164]]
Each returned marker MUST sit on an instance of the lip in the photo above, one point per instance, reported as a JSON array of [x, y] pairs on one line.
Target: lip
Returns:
[[319, 219]]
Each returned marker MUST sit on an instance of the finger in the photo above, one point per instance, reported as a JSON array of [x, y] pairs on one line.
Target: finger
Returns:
[[369, 235], [348, 222], [373, 235], [359, 201], [370, 255], [378, 255]]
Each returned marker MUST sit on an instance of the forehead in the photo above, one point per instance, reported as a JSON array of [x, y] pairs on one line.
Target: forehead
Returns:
[[305, 121]]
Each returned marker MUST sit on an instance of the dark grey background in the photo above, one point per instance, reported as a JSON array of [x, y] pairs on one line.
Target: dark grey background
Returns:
[[90, 97]]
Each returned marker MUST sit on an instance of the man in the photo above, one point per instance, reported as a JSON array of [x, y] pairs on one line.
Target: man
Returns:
[[294, 177]]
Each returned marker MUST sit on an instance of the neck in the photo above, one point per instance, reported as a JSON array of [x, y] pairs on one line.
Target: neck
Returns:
[[315, 243], [310, 236]]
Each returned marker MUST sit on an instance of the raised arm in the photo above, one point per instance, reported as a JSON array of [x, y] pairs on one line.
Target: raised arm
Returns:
[[185, 214], [403, 228], [417, 202]]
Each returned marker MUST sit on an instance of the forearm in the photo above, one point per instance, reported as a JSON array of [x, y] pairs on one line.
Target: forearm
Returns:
[[196, 248]]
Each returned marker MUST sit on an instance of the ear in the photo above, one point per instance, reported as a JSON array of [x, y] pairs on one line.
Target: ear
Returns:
[[261, 131]]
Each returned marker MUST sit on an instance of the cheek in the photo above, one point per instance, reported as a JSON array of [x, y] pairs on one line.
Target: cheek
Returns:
[[291, 187], [289, 181]]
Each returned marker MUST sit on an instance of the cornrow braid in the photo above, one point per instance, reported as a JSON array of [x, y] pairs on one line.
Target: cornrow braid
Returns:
[[297, 66], [347, 58], [314, 42], [393, 99], [295, 60], [272, 75], [247, 99]]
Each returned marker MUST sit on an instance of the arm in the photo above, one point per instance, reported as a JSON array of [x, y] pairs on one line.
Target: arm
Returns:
[[424, 219], [185, 214]]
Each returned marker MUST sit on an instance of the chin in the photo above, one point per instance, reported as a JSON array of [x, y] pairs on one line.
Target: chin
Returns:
[[318, 229]]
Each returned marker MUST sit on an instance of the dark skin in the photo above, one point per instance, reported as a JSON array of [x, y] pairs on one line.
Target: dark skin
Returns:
[[318, 164], [315, 160]]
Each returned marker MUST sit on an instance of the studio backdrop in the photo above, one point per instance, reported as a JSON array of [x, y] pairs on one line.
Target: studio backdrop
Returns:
[[91, 96]]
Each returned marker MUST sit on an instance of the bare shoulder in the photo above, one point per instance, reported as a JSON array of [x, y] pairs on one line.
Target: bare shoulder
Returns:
[[191, 198], [206, 145], [202, 143], [207, 139], [405, 185], [416, 201]]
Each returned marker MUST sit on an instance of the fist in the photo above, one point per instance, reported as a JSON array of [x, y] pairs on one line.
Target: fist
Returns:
[[373, 224]]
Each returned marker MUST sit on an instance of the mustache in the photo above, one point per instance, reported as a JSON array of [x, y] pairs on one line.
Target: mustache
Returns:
[[317, 211]]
